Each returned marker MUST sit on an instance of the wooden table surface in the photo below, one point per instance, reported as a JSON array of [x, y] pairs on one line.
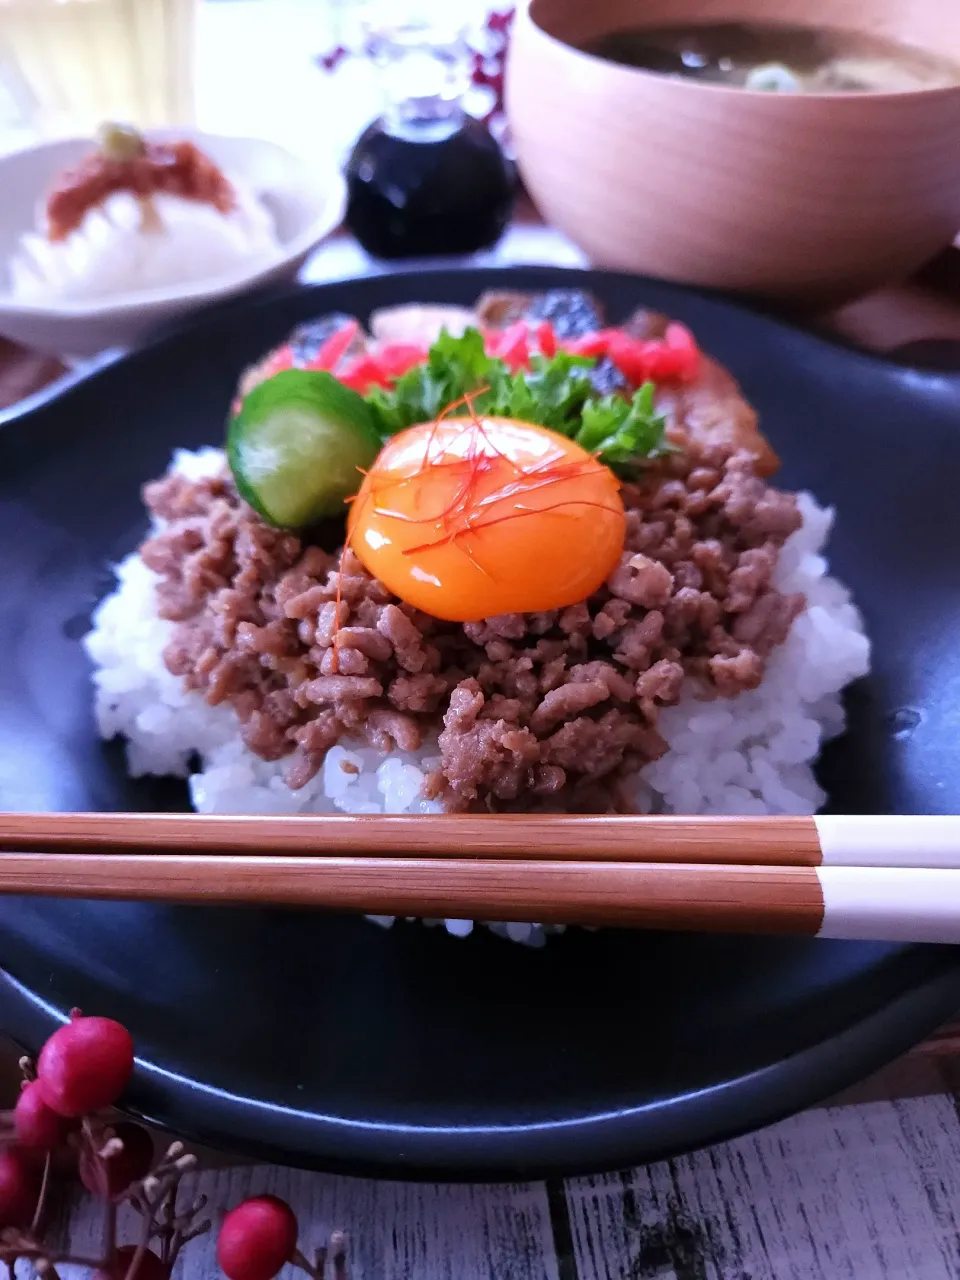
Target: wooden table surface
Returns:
[[866, 1187]]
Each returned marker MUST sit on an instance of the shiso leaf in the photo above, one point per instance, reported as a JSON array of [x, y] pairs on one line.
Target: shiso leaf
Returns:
[[555, 392]]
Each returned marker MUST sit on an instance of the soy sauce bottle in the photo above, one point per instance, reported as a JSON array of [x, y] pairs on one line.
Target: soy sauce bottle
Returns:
[[425, 178]]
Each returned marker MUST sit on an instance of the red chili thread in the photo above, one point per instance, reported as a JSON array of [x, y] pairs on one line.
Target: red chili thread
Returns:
[[480, 457]]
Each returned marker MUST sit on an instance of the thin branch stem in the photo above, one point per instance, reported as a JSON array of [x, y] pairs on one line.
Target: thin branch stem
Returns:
[[149, 1220], [42, 1197], [301, 1260], [166, 1217], [184, 1237], [174, 1245]]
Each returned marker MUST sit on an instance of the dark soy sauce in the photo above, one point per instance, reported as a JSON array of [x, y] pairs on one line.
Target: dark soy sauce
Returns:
[[423, 187]]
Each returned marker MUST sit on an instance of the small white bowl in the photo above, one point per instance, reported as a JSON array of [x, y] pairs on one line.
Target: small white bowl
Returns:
[[306, 203]]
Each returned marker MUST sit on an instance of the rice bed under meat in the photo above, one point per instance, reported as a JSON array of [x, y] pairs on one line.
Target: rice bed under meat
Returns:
[[750, 754]]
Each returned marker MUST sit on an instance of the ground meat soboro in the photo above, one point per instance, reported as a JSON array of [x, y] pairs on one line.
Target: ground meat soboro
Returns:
[[530, 710]]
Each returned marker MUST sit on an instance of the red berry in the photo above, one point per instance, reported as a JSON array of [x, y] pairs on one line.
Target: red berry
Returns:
[[109, 1176], [35, 1125], [85, 1066], [257, 1238], [19, 1189], [148, 1268]]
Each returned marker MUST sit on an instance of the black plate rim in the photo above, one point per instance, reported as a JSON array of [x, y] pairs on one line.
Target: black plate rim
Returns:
[[749, 1102], [607, 1140]]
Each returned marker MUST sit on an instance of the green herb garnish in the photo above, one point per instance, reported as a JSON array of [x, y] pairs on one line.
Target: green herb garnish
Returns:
[[556, 392]]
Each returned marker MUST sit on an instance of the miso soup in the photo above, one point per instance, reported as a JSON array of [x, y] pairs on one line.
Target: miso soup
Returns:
[[778, 57]]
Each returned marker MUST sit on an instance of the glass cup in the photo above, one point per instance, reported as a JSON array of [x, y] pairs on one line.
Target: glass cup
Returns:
[[69, 65]]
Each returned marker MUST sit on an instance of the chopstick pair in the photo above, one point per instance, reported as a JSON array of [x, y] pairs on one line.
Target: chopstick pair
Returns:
[[888, 878]]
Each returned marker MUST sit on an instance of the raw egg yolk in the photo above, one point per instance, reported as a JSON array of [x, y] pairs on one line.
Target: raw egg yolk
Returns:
[[466, 518]]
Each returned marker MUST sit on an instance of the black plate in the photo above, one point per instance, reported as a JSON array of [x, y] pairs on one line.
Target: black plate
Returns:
[[324, 1041]]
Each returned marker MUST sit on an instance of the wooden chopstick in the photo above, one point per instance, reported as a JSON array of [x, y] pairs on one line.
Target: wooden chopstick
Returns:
[[888, 878], [904, 904], [826, 840]]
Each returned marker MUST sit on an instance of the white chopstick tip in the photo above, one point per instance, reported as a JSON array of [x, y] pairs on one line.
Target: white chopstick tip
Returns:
[[888, 904], [893, 840]]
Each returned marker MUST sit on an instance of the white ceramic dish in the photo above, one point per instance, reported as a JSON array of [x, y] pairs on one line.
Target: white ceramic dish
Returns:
[[306, 202]]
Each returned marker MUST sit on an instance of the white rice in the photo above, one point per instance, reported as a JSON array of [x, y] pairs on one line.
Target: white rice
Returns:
[[753, 754]]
